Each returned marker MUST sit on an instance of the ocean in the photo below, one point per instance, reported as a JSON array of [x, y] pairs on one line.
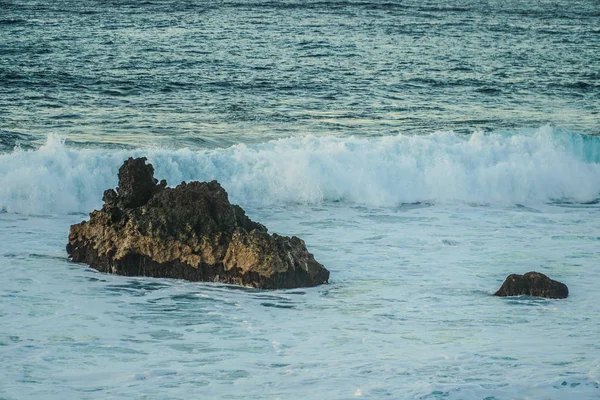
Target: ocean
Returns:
[[424, 150]]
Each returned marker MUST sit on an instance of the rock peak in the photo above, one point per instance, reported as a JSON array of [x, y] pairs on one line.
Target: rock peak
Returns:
[[136, 183]]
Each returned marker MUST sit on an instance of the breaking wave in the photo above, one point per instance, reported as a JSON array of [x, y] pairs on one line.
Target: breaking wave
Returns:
[[524, 167]]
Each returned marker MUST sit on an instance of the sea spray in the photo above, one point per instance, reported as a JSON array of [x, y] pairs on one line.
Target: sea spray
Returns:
[[524, 167]]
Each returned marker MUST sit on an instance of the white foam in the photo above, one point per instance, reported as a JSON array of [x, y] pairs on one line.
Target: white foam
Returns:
[[519, 168]]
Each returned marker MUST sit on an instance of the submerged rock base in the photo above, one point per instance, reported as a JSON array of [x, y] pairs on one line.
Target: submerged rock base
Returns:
[[533, 284], [189, 232]]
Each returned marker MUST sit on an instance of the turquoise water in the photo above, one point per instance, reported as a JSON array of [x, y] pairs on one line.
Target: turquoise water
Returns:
[[423, 150]]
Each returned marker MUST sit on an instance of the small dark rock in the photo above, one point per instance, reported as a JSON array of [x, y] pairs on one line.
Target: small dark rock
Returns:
[[110, 196], [533, 284]]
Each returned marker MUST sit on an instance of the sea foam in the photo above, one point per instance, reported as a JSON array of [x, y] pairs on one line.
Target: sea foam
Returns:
[[524, 167]]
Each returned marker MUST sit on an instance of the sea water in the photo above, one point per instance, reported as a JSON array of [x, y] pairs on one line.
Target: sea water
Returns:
[[423, 150]]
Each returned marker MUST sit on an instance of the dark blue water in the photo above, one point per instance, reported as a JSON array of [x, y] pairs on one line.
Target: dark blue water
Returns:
[[214, 73]]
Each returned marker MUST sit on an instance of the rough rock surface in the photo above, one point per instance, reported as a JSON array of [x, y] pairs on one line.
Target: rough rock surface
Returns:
[[533, 284], [189, 232]]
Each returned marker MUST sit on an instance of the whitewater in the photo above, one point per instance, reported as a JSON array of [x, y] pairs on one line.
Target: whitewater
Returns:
[[530, 166], [417, 234]]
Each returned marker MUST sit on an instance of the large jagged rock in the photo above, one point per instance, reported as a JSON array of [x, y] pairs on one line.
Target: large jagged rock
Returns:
[[533, 284], [189, 232]]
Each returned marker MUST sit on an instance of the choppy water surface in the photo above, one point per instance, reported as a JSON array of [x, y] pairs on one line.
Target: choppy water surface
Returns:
[[423, 149], [220, 72], [408, 313], [418, 234]]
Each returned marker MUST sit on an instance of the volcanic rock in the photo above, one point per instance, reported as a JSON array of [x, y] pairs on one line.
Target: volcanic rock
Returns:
[[533, 284], [188, 232]]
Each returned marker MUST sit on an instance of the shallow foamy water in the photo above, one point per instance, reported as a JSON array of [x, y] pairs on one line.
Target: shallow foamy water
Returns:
[[409, 312]]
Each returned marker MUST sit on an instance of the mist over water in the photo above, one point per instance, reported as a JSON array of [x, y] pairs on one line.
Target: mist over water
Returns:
[[424, 150]]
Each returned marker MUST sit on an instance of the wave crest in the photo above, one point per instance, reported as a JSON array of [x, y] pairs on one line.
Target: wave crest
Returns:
[[522, 167]]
